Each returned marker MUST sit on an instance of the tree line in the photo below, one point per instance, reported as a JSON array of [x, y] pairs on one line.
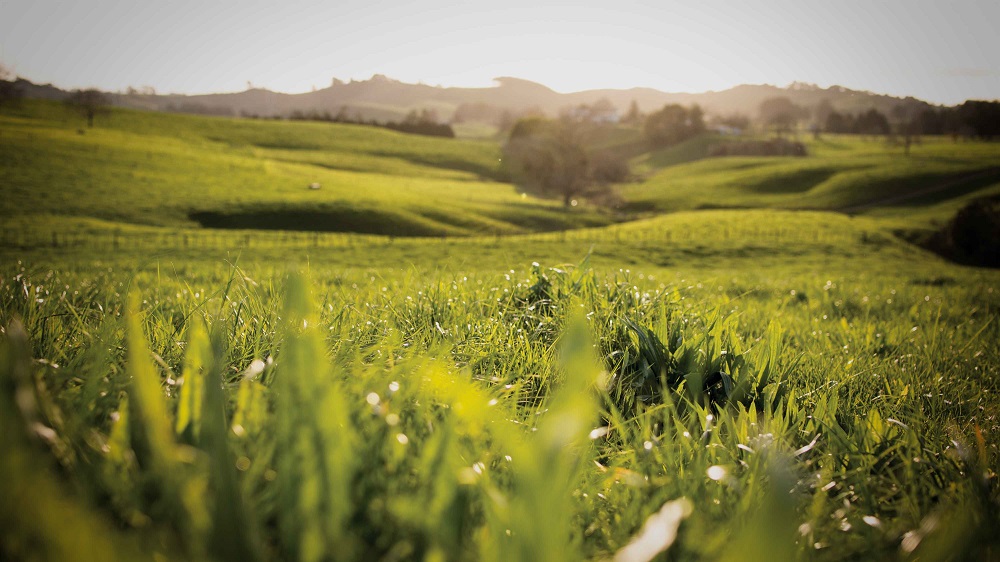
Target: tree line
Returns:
[[972, 119], [423, 122]]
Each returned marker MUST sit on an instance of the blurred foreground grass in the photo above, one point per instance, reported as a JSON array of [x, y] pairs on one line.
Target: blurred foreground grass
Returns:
[[541, 414]]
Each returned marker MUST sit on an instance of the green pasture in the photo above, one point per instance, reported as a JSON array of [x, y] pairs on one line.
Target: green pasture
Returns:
[[753, 375], [170, 170], [840, 173]]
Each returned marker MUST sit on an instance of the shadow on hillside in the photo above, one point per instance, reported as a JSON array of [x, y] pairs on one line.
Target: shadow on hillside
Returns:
[[971, 237], [361, 221], [927, 189], [799, 181]]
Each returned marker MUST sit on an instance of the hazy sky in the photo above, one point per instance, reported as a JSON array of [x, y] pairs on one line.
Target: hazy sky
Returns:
[[942, 51]]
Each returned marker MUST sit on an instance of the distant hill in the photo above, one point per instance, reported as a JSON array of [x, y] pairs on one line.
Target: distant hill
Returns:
[[382, 98]]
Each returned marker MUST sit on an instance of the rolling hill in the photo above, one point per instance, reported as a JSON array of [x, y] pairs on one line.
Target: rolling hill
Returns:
[[187, 171], [383, 98]]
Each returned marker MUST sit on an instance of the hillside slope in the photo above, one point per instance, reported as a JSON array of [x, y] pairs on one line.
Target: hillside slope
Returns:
[[170, 170]]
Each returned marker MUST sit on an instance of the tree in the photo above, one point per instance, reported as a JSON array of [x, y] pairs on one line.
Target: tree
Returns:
[[982, 118], [931, 122], [10, 94], [821, 112], [633, 116], [89, 103], [906, 124], [546, 157], [673, 124], [871, 122], [838, 123], [779, 114]]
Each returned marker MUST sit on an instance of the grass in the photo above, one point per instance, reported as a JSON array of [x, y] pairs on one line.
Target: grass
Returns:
[[173, 171], [440, 378], [840, 173], [770, 383]]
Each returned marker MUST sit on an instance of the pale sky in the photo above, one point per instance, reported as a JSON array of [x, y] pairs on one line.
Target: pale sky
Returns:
[[941, 51]]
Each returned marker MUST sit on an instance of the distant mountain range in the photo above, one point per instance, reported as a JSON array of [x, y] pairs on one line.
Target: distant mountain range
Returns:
[[383, 98]]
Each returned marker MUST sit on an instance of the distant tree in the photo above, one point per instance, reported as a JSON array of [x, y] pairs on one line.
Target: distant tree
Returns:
[[838, 123], [547, 157], [601, 111], [906, 125], [506, 120], [89, 103], [696, 120], [779, 114], [871, 122], [423, 122], [412, 118], [820, 113], [633, 116], [931, 122], [673, 124], [10, 94], [981, 118], [141, 91]]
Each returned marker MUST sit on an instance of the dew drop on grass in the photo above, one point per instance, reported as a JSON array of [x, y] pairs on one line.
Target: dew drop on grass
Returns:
[[393, 386], [602, 431], [872, 521], [716, 472], [910, 542], [372, 399], [402, 438], [243, 464]]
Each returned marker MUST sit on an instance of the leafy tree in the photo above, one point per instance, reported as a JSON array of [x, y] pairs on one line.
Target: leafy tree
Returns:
[[89, 103], [906, 124], [838, 123], [982, 118], [931, 122], [821, 112], [633, 116], [10, 94], [779, 114], [548, 157], [601, 111], [673, 124], [544, 156], [871, 122]]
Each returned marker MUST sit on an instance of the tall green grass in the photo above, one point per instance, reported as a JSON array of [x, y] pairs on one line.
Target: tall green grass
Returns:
[[542, 414]]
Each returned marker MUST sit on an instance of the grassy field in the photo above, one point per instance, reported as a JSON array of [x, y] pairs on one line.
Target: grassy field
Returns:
[[840, 173], [184, 171], [762, 383]]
